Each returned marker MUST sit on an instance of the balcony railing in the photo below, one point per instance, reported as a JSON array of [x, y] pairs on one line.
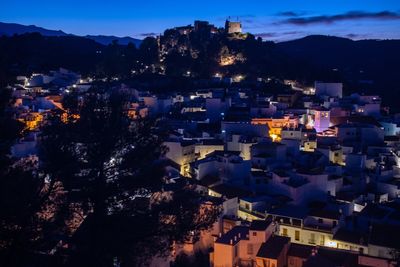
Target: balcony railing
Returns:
[[254, 213]]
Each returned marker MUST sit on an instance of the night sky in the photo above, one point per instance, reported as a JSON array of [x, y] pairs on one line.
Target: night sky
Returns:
[[271, 19]]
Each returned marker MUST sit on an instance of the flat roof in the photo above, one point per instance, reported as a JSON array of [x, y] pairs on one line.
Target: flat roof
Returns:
[[300, 251], [273, 247]]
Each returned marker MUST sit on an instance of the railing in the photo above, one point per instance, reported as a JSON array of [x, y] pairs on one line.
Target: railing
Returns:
[[254, 213], [325, 229]]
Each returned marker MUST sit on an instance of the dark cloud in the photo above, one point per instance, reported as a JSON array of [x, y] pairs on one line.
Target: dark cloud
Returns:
[[239, 17], [276, 34], [292, 32], [290, 14], [266, 34], [356, 36], [247, 21], [352, 15], [148, 34]]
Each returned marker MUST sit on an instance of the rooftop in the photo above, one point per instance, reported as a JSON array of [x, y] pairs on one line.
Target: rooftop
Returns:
[[385, 235], [350, 236], [326, 214], [229, 191], [260, 225], [300, 251], [233, 236], [355, 119], [273, 247], [290, 211]]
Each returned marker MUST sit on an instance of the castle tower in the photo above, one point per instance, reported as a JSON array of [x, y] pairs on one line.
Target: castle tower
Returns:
[[233, 26]]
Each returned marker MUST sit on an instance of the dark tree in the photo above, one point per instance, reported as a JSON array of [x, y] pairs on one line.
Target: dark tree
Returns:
[[149, 50], [27, 201], [118, 61], [111, 168]]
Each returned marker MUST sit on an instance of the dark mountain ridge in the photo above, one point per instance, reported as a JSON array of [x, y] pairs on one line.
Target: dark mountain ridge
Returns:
[[370, 66], [10, 29], [366, 66]]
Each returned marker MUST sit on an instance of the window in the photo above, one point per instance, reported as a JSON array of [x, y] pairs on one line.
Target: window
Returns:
[[322, 241], [297, 235], [334, 223], [284, 232], [254, 233], [247, 206], [320, 220], [312, 239], [236, 251], [250, 249]]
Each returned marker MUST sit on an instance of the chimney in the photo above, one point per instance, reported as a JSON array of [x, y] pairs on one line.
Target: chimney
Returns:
[[220, 234], [231, 242], [235, 238], [239, 235]]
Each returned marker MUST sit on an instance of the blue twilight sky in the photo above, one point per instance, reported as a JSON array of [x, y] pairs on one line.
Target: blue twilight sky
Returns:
[[271, 19]]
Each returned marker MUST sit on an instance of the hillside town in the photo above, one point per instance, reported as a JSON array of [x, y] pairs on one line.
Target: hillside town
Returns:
[[309, 176]]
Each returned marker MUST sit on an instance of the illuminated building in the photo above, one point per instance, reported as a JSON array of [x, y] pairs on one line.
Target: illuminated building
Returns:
[[321, 119], [136, 111], [240, 245], [227, 165], [233, 27], [31, 120], [66, 117], [181, 152], [207, 147], [276, 125], [315, 228], [227, 60], [241, 144]]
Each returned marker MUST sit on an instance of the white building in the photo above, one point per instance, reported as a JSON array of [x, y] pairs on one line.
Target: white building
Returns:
[[321, 119]]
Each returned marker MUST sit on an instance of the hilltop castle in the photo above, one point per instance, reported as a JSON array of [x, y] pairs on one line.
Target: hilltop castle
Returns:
[[233, 26]]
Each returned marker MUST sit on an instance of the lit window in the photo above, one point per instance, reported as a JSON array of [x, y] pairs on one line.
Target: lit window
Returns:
[[284, 232]]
